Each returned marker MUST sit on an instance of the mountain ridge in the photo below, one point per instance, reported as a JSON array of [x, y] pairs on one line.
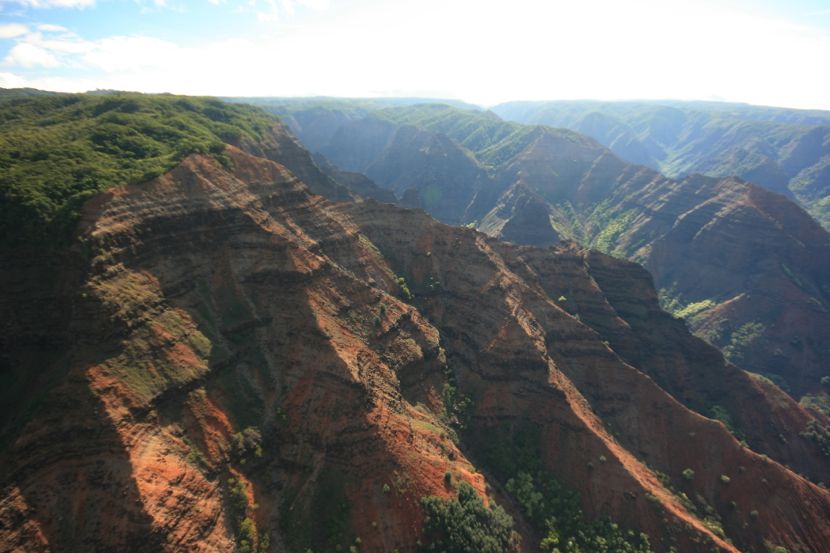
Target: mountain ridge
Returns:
[[594, 197], [249, 363], [783, 150]]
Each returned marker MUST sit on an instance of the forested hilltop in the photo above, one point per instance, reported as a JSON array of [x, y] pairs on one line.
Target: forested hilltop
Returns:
[[58, 150]]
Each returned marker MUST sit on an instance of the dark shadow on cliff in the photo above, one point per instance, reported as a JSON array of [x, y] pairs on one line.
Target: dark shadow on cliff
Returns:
[[76, 479]]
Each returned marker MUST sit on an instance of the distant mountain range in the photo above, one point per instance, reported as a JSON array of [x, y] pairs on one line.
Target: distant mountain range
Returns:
[[748, 269], [784, 150]]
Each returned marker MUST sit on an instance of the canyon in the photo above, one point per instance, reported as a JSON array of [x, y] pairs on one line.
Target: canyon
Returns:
[[747, 268], [243, 352]]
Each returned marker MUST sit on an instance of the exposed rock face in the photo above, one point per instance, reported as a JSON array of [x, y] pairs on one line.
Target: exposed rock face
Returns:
[[358, 183], [748, 269], [765, 264], [206, 310], [211, 300], [426, 168], [280, 145], [521, 216]]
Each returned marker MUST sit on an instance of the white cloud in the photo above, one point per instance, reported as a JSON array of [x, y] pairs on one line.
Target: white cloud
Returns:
[[12, 30], [49, 28], [132, 53], [35, 50], [10, 80], [30, 55]]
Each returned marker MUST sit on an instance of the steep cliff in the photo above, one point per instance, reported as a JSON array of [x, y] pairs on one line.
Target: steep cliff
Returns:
[[746, 268]]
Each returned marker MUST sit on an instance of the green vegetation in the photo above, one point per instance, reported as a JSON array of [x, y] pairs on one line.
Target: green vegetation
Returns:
[[457, 406], [773, 548], [502, 151], [549, 506], [672, 304], [321, 522], [720, 413], [778, 380], [238, 499], [514, 455], [247, 443], [56, 151], [464, 525], [820, 210], [719, 140], [741, 339], [405, 293], [697, 505], [612, 224], [694, 308], [478, 131], [247, 539], [486, 137], [143, 366], [669, 301], [247, 536], [448, 479], [818, 434], [195, 456], [264, 543], [817, 402], [569, 222], [793, 277]]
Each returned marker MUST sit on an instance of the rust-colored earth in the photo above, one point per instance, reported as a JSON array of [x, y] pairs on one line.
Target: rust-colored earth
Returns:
[[212, 300]]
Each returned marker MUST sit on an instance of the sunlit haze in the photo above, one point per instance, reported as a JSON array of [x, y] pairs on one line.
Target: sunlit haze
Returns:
[[771, 53]]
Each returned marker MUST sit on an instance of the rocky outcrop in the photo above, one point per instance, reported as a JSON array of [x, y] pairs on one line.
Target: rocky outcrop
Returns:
[[521, 216], [358, 183]]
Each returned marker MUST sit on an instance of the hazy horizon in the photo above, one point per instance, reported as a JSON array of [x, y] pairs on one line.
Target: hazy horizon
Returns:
[[761, 52], [426, 99]]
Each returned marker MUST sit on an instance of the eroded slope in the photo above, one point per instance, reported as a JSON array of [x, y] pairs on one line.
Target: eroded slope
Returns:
[[241, 366]]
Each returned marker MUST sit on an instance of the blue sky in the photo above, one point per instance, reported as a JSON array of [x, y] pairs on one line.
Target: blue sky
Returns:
[[763, 51]]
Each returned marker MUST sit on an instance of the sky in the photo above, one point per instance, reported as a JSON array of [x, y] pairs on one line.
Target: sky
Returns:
[[766, 52]]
